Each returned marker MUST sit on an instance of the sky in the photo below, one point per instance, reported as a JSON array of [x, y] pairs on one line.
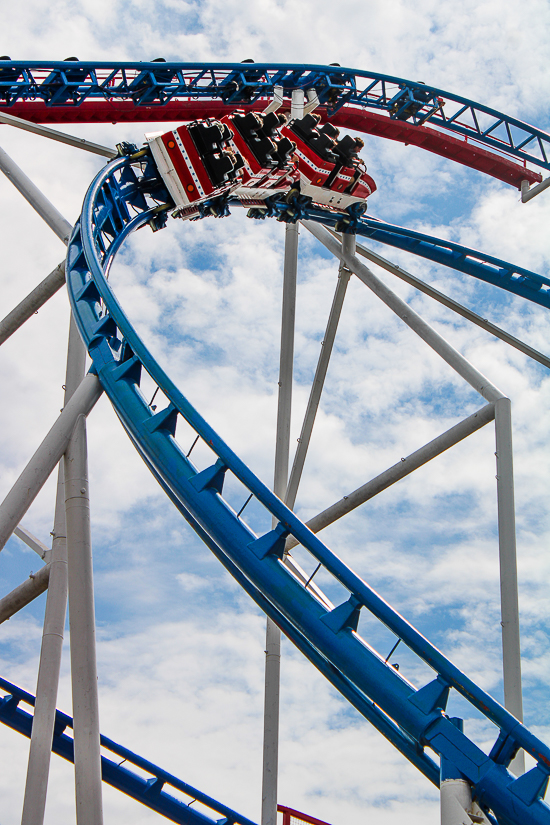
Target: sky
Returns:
[[180, 646]]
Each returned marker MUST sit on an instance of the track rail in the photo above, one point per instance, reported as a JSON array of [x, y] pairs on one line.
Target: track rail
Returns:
[[118, 202], [380, 104], [515, 279], [150, 791]]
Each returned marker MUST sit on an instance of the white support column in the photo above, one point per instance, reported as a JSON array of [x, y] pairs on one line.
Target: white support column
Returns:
[[528, 193], [34, 196], [270, 773], [286, 365], [511, 652], [400, 470], [25, 593], [87, 759], [38, 768], [54, 624], [62, 137], [46, 457], [348, 242], [32, 303], [297, 104], [505, 476], [282, 447]]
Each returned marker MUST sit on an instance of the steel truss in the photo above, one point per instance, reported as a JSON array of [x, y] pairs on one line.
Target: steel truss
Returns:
[[124, 197], [69, 85]]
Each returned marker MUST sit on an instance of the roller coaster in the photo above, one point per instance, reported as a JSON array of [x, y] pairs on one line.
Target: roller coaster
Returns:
[[130, 192]]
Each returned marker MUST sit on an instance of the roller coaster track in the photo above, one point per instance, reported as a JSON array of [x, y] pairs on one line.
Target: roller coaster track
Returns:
[[126, 195], [411, 112], [151, 791]]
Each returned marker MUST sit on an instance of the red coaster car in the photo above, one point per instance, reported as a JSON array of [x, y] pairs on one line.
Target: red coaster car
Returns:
[[255, 156], [196, 163], [269, 163], [331, 172]]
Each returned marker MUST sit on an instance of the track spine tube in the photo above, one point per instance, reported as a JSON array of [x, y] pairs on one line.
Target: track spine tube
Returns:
[[118, 355]]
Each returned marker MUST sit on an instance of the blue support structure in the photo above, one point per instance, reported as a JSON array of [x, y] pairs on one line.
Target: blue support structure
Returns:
[[515, 279], [73, 83], [118, 202], [151, 792]]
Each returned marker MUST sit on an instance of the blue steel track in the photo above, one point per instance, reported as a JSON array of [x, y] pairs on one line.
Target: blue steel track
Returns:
[[151, 792], [72, 84], [127, 195], [117, 203]]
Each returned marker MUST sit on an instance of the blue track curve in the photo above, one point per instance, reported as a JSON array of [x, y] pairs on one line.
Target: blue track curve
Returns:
[[70, 84], [153, 792], [118, 203]]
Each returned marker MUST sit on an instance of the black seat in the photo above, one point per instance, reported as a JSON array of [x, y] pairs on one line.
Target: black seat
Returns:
[[324, 146], [285, 150], [208, 137], [347, 150], [265, 149], [248, 125], [330, 130], [304, 127], [271, 123], [219, 168]]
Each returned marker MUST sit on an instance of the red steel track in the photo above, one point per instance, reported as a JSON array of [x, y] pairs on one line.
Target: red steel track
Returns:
[[459, 150]]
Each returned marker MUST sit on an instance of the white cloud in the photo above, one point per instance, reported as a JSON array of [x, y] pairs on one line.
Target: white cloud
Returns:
[[180, 648]]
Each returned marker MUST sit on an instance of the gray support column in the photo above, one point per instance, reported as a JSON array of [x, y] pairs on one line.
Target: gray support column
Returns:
[[286, 364], [348, 242], [43, 462], [48, 673], [34, 196], [32, 303], [54, 624], [271, 723], [505, 485], [282, 447], [53, 134], [511, 652], [476, 319], [461, 365], [400, 470], [87, 759], [25, 593]]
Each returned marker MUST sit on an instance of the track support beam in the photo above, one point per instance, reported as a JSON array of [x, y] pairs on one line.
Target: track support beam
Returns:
[[54, 623], [476, 319], [53, 134], [282, 449], [348, 242], [87, 757], [25, 593], [400, 470], [41, 465], [34, 196], [32, 303]]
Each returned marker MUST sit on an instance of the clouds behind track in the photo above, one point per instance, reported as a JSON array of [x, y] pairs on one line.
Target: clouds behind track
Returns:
[[180, 647]]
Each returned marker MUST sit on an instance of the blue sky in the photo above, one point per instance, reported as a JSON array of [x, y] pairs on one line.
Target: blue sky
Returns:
[[180, 647]]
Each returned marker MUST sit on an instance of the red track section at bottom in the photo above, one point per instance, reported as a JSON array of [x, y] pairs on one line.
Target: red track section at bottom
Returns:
[[361, 120]]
